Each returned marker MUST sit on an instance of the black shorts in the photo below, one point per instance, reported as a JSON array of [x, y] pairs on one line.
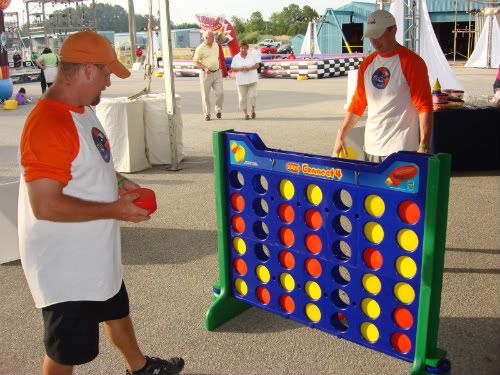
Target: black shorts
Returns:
[[72, 328]]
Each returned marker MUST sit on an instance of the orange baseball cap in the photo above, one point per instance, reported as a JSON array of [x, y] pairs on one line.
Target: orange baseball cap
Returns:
[[88, 47]]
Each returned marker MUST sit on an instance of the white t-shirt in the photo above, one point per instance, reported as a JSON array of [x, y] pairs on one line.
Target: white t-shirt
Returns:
[[395, 87], [68, 261], [245, 78], [257, 54]]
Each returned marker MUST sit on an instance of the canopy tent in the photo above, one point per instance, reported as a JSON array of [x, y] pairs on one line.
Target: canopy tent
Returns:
[[428, 47], [486, 54], [310, 45]]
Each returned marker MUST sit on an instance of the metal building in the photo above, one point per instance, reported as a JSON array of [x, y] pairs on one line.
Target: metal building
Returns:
[[350, 20]]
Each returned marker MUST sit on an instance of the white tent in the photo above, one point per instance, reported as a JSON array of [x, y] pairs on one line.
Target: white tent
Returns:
[[486, 54], [310, 45], [429, 48]]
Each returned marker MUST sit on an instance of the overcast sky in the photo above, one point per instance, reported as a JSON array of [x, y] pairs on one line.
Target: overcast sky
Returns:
[[184, 10]]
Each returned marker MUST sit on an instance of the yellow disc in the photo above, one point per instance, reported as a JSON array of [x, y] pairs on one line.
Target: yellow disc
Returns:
[[313, 290], [406, 267], [239, 245], [351, 154], [370, 332], [371, 283], [407, 239], [287, 282], [263, 273], [239, 156], [374, 205], [374, 232], [371, 308], [287, 190], [241, 287], [404, 293], [314, 194], [313, 312]]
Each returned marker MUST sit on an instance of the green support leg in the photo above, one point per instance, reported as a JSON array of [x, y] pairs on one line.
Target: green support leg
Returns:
[[438, 184], [224, 307]]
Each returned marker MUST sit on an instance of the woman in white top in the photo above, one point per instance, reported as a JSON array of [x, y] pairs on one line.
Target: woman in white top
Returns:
[[245, 65]]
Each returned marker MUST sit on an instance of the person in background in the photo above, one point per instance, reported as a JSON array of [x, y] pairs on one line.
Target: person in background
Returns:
[[47, 62], [17, 59], [394, 84], [258, 57], [21, 96], [245, 65], [496, 84], [206, 57]]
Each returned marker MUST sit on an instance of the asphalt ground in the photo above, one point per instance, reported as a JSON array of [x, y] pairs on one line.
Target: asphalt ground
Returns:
[[171, 261]]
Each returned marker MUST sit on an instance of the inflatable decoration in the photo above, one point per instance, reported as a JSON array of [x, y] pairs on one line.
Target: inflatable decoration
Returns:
[[5, 81], [224, 35]]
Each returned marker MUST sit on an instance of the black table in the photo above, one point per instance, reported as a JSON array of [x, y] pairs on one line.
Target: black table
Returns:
[[470, 135]]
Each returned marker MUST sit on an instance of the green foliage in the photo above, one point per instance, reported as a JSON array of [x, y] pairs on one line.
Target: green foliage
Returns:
[[186, 25], [238, 24], [255, 23], [252, 37]]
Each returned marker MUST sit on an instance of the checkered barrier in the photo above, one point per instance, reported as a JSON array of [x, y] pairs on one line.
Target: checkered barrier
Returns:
[[185, 68], [319, 68], [314, 68]]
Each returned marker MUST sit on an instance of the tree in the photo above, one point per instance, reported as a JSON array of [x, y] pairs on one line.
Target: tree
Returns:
[[255, 23], [292, 20], [238, 24]]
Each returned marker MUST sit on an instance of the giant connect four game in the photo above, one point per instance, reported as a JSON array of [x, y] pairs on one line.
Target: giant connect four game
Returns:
[[351, 248]]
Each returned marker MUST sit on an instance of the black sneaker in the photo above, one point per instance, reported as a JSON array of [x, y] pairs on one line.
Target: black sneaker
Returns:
[[219, 115], [207, 118], [158, 366]]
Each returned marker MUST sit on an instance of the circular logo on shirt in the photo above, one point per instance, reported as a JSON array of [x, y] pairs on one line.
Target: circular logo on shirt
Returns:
[[381, 77], [102, 144]]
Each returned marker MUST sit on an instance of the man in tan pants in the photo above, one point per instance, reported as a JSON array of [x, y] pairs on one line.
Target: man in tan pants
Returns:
[[206, 57]]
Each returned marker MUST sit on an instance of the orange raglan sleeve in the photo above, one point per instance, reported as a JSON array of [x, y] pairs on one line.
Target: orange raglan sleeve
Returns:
[[49, 144], [358, 101], [415, 72]]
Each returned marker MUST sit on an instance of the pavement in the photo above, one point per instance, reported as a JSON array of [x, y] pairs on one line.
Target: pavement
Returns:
[[171, 261]]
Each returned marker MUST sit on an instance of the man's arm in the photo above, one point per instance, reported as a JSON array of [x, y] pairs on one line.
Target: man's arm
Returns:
[[426, 120], [50, 203], [350, 120], [201, 66]]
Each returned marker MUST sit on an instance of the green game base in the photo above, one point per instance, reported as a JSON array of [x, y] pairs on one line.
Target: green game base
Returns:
[[224, 307]]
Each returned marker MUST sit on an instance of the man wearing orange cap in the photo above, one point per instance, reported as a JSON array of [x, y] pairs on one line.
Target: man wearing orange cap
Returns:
[[394, 84], [70, 202]]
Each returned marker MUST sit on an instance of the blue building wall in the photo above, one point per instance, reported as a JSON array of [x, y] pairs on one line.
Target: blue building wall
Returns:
[[330, 34]]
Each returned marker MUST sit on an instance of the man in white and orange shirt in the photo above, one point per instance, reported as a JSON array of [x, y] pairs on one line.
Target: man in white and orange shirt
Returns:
[[70, 201], [393, 82]]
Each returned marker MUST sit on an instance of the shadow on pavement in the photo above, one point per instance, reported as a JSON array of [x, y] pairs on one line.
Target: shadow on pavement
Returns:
[[157, 245]]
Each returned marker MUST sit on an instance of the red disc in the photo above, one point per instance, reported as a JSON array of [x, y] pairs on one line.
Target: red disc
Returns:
[[373, 258], [313, 219], [263, 295], [313, 267], [238, 223], [409, 212], [146, 200], [313, 243], [287, 260], [287, 237], [401, 342], [240, 266], [287, 303], [238, 202], [402, 317], [286, 213]]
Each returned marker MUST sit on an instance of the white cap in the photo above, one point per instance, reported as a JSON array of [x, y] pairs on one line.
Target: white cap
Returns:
[[377, 22]]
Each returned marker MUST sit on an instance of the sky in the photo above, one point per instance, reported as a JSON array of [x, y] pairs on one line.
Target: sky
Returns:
[[184, 10]]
